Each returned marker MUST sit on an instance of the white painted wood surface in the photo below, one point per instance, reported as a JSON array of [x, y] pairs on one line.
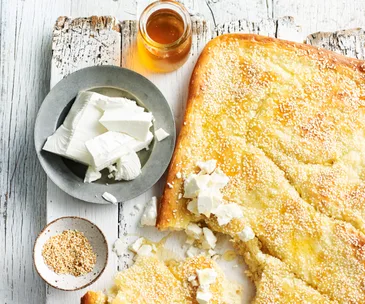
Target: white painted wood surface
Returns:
[[25, 44]]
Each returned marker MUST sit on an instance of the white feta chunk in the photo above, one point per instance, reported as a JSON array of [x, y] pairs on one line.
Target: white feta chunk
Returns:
[[209, 238], [107, 148], [80, 125], [226, 212], [110, 198], [136, 245], [128, 166], [208, 201], [203, 297], [161, 134], [207, 167], [194, 231], [111, 176], [145, 250], [91, 175], [193, 206], [136, 125], [150, 213], [195, 183], [113, 103], [206, 276], [193, 251], [218, 179], [246, 234]]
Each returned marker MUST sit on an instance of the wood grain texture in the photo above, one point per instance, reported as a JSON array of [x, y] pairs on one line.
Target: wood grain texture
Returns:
[[347, 42], [25, 54], [84, 42]]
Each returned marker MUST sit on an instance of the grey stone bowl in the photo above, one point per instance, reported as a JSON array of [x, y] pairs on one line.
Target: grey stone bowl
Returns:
[[112, 81]]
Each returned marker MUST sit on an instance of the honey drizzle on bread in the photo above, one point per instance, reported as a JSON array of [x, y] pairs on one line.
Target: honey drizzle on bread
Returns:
[[281, 119]]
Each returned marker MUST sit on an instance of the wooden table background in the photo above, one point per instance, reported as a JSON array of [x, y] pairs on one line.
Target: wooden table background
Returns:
[[25, 60]]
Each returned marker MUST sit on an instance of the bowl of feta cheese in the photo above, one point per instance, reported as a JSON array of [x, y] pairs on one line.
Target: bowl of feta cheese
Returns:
[[105, 134]]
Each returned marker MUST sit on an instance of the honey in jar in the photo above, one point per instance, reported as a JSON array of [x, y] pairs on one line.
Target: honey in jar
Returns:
[[164, 36]]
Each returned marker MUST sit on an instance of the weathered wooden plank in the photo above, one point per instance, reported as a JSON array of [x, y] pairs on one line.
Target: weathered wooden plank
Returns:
[[347, 42], [83, 42], [78, 43], [284, 28]]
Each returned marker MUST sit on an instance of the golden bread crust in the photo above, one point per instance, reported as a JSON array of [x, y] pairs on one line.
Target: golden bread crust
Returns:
[[94, 297], [277, 116]]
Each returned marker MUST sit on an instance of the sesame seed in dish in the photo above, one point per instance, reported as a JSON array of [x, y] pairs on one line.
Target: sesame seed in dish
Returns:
[[69, 252]]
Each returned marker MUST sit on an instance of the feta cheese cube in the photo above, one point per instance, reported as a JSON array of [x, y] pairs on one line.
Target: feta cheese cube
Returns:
[[209, 238], [193, 206], [246, 234], [136, 125], [206, 276], [218, 179], [150, 213], [208, 201], [203, 297], [195, 183], [193, 251], [110, 198], [128, 166], [161, 134], [207, 167], [91, 175], [105, 149], [145, 250], [226, 212], [136, 245], [194, 231]]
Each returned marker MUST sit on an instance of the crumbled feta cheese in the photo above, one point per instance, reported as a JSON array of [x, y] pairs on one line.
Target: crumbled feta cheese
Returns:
[[218, 179], [128, 166], [226, 212], [209, 238], [194, 231], [206, 276], [203, 297], [161, 134], [192, 251], [91, 175], [195, 183], [150, 213], [145, 250], [208, 166], [193, 207], [211, 252], [110, 198], [136, 245], [178, 175], [208, 201], [170, 185], [111, 175], [179, 196], [246, 234]]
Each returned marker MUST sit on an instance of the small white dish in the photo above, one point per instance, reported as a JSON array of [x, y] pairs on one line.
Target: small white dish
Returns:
[[97, 240]]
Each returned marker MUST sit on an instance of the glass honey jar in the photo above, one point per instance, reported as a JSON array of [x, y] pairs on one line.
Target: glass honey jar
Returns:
[[164, 36]]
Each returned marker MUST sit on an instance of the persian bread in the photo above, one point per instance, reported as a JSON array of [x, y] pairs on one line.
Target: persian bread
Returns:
[[282, 120], [273, 280], [151, 280]]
